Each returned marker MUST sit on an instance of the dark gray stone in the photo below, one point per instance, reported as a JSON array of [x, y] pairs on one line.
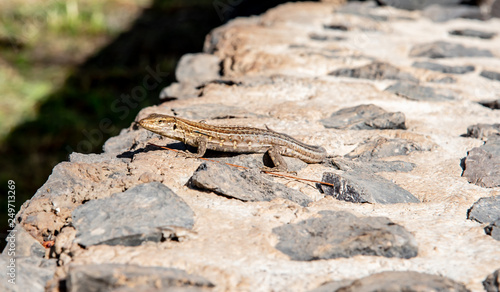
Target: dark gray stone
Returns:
[[67, 187], [485, 210], [482, 131], [416, 4], [371, 166], [198, 68], [23, 244], [211, 111], [441, 49], [491, 75], [482, 164], [364, 117], [445, 80], [440, 13], [495, 8], [383, 147], [444, 68], [493, 229], [119, 277], [472, 33], [340, 27], [414, 91], [245, 185], [121, 218], [31, 273], [363, 9], [492, 282], [324, 38], [492, 104], [375, 71], [393, 120], [364, 187], [395, 282], [341, 234]]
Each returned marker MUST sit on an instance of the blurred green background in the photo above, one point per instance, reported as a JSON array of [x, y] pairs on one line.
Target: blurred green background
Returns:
[[64, 63]]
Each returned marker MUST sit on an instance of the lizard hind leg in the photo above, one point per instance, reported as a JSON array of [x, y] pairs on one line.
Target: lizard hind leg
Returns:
[[278, 161]]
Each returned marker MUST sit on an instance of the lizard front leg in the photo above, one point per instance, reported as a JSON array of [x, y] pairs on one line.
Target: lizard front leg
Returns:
[[201, 142]]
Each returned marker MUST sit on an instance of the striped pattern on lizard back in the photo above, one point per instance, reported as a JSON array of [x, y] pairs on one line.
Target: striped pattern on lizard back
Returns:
[[231, 138]]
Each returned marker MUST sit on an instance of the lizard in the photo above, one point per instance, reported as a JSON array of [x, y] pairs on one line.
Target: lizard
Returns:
[[237, 139]]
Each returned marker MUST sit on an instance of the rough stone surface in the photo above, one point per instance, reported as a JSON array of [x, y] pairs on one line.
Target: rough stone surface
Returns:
[[121, 219], [396, 281], [273, 73], [365, 117], [119, 277], [482, 164], [473, 33], [245, 185], [482, 131], [485, 210], [212, 111], [23, 244], [444, 68], [493, 229], [383, 147], [31, 273], [442, 49], [363, 9], [376, 71], [179, 91], [415, 4], [441, 13], [492, 282], [197, 68], [119, 144], [414, 91], [364, 187], [372, 166], [341, 234]]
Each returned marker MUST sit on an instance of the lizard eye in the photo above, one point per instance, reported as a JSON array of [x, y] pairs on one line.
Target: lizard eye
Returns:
[[175, 127]]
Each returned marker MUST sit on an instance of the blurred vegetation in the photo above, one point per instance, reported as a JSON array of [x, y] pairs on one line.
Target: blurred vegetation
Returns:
[[64, 64]]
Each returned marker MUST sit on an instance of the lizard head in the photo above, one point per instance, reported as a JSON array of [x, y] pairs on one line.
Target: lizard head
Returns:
[[160, 124]]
